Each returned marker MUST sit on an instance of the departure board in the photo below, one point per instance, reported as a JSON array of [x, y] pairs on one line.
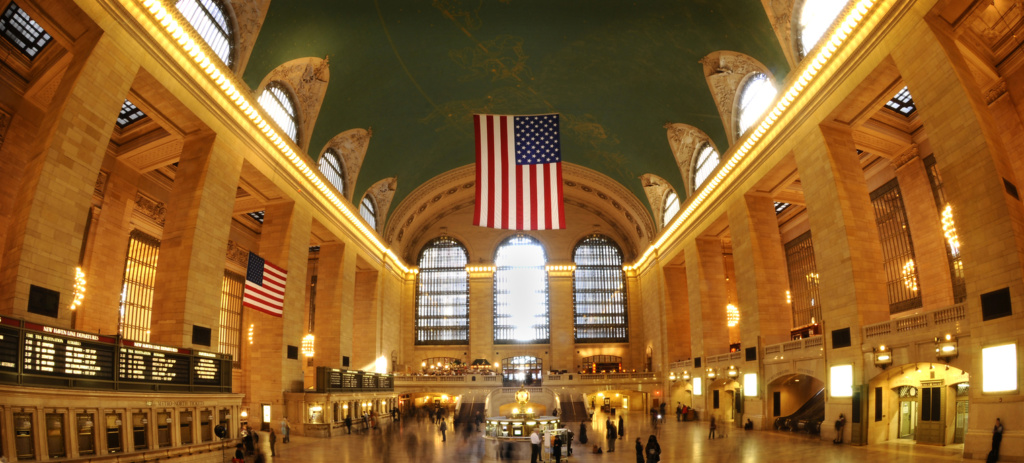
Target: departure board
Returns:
[[10, 339], [151, 363], [206, 369], [58, 352]]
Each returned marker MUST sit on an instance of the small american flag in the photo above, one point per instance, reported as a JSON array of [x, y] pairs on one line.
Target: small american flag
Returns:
[[264, 286], [518, 172]]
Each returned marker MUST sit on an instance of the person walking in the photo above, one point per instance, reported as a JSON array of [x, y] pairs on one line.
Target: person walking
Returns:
[[239, 455], [348, 423], [611, 435], [247, 441], [556, 452], [679, 411], [661, 412], [534, 446], [840, 424], [653, 449], [583, 432], [568, 442], [622, 427], [997, 441], [443, 427], [273, 443], [286, 431], [711, 435], [639, 451]]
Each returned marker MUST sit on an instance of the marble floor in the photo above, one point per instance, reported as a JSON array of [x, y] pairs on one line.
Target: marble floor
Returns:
[[420, 442]]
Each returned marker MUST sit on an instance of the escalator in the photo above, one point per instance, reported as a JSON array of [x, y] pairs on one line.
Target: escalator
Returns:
[[807, 418]]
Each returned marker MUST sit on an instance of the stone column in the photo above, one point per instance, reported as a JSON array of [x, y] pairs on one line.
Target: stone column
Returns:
[[705, 279], [284, 241], [60, 156], [329, 328], [677, 313], [481, 317], [978, 178], [190, 271], [366, 320], [924, 220], [560, 316]]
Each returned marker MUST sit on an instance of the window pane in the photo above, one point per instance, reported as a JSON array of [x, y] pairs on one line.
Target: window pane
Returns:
[[330, 166], [129, 114], [952, 242], [368, 212], [230, 336], [24, 33], [707, 161], [599, 292], [671, 208], [137, 288], [816, 18], [897, 248], [442, 297], [209, 19], [803, 281], [279, 106], [755, 98], [520, 292]]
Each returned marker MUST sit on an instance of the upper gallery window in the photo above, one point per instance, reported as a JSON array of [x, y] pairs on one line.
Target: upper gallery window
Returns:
[[599, 291], [670, 208], [209, 19], [24, 33], [368, 211], [816, 17], [707, 161], [279, 105], [902, 102], [332, 168], [756, 96], [520, 292], [129, 114], [442, 293]]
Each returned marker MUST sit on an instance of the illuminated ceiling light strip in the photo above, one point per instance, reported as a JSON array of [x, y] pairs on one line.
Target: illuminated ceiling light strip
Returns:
[[842, 31], [223, 79]]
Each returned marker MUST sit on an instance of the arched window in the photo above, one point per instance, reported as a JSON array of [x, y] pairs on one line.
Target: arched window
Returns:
[[210, 19], [599, 291], [756, 96], [333, 169], [368, 211], [707, 161], [816, 17], [278, 104], [520, 292], [670, 208], [521, 370], [442, 293]]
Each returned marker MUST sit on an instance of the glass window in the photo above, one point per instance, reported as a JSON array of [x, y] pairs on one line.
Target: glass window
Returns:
[[670, 208], [24, 33], [209, 18], [803, 281], [185, 427], [521, 369], [368, 211], [897, 248], [163, 429], [24, 441], [55, 435], [137, 288], [442, 293], [279, 105], [333, 169], [114, 444], [956, 263], [129, 114], [230, 335], [756, 97], [707, 161], [520, 292], [816, 18], [902, 102], [140, 421], [599, 291], [86, 434]]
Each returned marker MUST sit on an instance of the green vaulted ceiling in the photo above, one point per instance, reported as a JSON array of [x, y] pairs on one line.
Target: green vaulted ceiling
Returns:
[[416, 71]]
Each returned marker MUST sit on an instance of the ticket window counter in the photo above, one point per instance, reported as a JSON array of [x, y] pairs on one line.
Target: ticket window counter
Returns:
[[86, 427], [185, 427], [114, 424], [24, 441], [163, 429], [225, 420], [140, 438], [206, 425], [55, 446]]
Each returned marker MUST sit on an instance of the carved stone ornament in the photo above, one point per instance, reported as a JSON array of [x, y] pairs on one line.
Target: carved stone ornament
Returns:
[[249, 15], [351, 147], [993, 94], [237, 254], [101, 184], [684, 139], [656, 188], [307, 78], [151, 208], [908, 155], [382, 193], [724, 72]]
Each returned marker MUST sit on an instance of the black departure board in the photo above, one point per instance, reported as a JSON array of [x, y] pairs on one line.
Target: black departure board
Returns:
[[206, 368], [150, 363], [72, 354], [10, 339]]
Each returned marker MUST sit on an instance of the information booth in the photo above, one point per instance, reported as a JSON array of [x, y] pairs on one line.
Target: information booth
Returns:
[[514, 430]]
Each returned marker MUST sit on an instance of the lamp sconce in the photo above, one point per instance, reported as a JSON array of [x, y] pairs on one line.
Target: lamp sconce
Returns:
[[946, 347], [882, 357], [686, 375], [711, 373], [672, 376], [733, 372]]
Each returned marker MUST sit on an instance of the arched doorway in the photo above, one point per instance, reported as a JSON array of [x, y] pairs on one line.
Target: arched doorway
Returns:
[[926, 403], [796, 403]]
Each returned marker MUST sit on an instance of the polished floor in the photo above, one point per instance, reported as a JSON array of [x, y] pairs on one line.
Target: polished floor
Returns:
[[420, 442]]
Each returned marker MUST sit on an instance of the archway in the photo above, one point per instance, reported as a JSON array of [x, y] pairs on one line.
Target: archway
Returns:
[[926, 403], [797, 403], [722, 400]]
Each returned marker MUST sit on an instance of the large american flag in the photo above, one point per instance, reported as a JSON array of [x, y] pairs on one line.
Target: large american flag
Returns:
[[264, 286], [518, 172]]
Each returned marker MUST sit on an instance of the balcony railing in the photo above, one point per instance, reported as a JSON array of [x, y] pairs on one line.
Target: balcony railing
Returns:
[[926, 322], [557, 379], [801, 348]]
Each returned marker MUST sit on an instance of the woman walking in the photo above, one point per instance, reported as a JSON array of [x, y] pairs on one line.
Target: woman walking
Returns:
[[639, 451], [653, 449]]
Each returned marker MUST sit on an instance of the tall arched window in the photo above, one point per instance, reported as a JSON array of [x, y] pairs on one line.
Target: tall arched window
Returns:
[[520, 292], [670, 208], [756, 95], [279, 105], [210, 19], [599, 291], [333, 169], [442, 293], [816, 17], [368, 211], [707, 161]]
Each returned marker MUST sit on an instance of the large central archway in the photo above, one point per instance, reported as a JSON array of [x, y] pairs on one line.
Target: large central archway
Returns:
[[926, 403]]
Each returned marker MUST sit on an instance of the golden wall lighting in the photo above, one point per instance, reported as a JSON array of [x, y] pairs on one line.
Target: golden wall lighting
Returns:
[[882, 357], [732, 315], [733, 371], [949, 230], [672, 376], [79, 293], [946, 347], [711, 373], [252, 328], [789, 297], [686, 375], [307, 345], [910, 275]]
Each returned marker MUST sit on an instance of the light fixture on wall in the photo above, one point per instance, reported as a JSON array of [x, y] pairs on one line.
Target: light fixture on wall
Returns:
[[733, 372], [307, 345], [883, 357], [672, 376], [946, 347], [686, 375], [711, 373]]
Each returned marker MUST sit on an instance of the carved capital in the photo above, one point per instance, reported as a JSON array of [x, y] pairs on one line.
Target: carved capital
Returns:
[[237, 254], [906, 156], [151, 208]]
